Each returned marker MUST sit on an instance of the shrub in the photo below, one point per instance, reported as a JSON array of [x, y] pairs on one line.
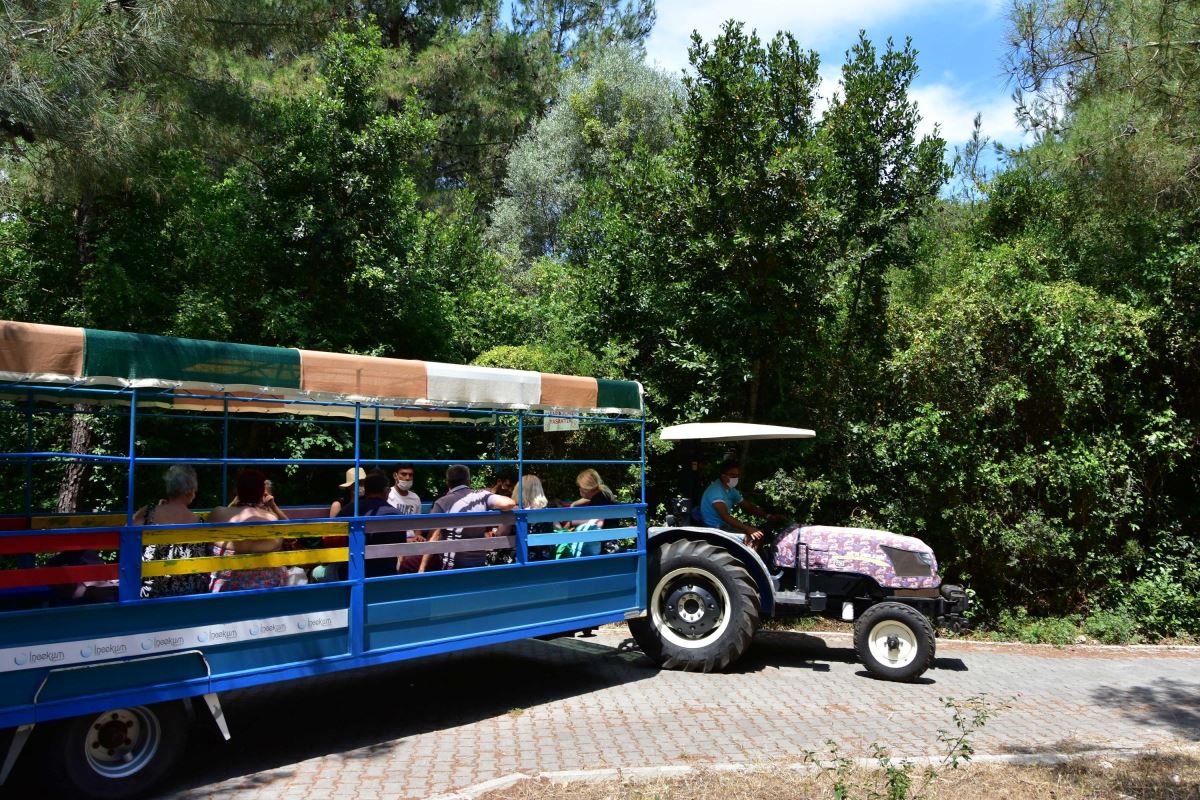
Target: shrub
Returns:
[[1164, 606], [1020, 626], [1111, 627]]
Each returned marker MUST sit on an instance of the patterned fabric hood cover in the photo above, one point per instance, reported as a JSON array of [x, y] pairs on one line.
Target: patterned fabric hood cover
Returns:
[[859, 550]]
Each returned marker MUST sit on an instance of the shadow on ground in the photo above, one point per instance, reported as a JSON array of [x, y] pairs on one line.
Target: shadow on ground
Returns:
[[774, 649], [360, 713], [1169, 703]]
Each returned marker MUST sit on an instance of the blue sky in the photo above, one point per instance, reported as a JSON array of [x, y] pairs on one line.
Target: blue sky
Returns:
[[961, 44]]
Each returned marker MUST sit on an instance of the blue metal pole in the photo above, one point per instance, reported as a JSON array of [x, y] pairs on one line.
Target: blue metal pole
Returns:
[[358, 546], [377, 436], [129, 505], [643, 459], [520, 458], [522, 520], [225, 452], [29, 449], [641, 568], [358, 571], [129, 556], [357, 452]]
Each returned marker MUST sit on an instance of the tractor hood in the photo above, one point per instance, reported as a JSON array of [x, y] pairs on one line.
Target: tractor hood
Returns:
[[894, 561]]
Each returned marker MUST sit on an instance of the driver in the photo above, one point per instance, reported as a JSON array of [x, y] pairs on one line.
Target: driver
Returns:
[[721, 497]]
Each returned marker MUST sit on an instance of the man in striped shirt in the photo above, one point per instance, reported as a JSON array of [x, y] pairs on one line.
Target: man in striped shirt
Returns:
[[460, 498]]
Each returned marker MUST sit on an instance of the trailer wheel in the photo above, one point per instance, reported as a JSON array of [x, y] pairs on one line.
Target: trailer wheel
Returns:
[[894, 641], [121, 753], [703, 608]]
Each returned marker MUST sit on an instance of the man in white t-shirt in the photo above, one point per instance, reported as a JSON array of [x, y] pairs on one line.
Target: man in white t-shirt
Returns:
[[402, 497], [405, 500]]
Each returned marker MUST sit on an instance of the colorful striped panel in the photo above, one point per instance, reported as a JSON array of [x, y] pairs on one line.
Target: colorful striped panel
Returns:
[[162, 359], [455, 384], [239, 533], [56, 521], [268, 375], [40, 352], [18, 545], [619, 395], [568, 391], [280, 558], [49, 576], [361, 376]]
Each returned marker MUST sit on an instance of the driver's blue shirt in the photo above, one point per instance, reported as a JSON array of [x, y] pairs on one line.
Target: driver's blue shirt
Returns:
[[717, 493]]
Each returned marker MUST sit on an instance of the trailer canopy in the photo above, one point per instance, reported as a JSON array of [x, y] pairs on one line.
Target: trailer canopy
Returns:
[[200, 375]]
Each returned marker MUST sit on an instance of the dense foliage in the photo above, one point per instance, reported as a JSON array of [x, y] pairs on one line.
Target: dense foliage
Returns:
[[1010, 372]]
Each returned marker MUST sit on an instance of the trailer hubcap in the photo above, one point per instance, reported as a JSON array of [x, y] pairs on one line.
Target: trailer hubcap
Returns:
[[120, 743]]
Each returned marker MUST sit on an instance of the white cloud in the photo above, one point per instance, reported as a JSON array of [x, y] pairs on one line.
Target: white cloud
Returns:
[[953, 110], [830, 27], [814, 23]]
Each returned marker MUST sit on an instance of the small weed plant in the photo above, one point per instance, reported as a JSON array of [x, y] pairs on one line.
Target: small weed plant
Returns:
[[890, 778]]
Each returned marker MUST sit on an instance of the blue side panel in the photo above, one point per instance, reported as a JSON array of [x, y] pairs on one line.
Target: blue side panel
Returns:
[[185, 672], [404, 617], [406, 612]]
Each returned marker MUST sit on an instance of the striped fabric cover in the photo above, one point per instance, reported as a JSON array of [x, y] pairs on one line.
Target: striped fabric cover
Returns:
[[51, 354]]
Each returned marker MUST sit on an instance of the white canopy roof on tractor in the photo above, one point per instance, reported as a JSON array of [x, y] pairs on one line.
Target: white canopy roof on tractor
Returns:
[[731, 432]]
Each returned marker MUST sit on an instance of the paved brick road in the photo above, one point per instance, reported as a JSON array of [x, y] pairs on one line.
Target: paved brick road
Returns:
[[416, 729]]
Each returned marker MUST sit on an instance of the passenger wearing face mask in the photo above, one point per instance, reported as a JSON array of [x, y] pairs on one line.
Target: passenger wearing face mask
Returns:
[[405, 500], [721, 497], [402, 497]]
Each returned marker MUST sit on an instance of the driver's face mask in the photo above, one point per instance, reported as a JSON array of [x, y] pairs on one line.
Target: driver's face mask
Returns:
[[733, 482]]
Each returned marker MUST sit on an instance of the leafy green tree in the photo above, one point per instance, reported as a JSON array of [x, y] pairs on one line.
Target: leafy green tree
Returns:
[[1114, 85], [601, 114], [572, 31], [73, 127], [733, 259]]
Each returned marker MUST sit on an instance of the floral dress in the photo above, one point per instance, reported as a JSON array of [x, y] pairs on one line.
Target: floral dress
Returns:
[[173, 585], [232, 580]]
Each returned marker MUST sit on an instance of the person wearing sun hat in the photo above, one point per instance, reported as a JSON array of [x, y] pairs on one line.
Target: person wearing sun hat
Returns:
[[334, 572], [347, 498]]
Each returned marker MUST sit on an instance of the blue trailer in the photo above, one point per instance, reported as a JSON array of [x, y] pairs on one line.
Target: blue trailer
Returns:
[[114, 682]]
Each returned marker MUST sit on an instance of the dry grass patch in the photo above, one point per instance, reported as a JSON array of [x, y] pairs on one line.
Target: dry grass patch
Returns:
[[1172, 774]]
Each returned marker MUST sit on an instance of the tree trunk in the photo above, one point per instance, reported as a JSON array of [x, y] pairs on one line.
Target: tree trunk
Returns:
[[81, 431], [72, 483]]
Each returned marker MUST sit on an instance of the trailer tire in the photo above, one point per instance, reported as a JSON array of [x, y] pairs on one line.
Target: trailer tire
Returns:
[[894, 641], [703, 608], [87, 758]]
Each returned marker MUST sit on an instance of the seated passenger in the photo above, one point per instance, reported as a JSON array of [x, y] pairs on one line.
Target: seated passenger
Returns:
[[374, 503], [349, 488], [593, 493], [181, 488], [252, 504], [406, 501], [506, 481], [533, 497], [719, 500], [460, 498], [402, 497]]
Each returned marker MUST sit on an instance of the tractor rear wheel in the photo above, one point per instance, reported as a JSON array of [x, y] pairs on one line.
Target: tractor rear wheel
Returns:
[[703, 608]]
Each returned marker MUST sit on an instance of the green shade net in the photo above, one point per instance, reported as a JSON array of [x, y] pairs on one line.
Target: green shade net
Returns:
[[618, 394], [164, 358]]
